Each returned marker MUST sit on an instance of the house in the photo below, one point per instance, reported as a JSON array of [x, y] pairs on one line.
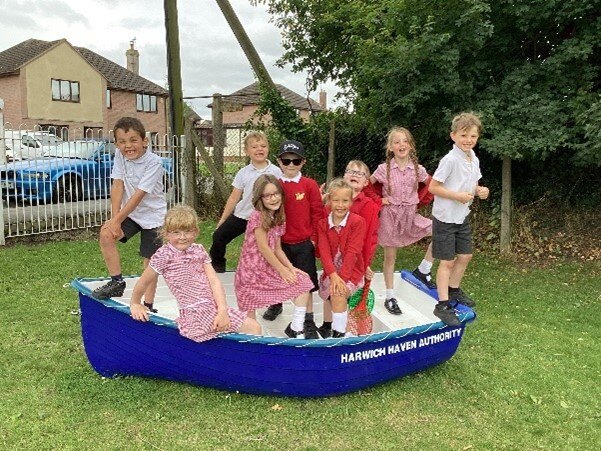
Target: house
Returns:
[[240, 106], [75, 91]]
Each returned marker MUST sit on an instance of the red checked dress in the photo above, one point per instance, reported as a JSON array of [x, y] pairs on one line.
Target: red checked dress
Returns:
[[184, 273], [257, 283]]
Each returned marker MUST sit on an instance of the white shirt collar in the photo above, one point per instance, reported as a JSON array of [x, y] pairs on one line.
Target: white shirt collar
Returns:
[[342, 223], [269, 163], [460, 153], [294, 179]]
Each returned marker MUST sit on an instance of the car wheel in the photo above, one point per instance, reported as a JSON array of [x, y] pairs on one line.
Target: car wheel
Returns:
[[68, 189]]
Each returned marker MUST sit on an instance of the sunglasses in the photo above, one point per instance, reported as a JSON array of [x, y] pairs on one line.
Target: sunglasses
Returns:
[[294, 161]]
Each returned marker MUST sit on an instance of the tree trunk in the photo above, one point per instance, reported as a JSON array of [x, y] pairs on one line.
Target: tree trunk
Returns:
[[331, 153], [189, 168], [506, 206]]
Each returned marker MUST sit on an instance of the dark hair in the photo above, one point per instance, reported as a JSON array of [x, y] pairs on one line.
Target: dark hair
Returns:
[[268, 220], [130, 123]]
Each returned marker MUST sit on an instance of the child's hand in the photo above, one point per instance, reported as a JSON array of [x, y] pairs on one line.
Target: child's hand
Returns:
[[139, 312], [464, 197], [369, 274], [288, 275], [482, 192], [114, 227], [337, 286], [385, 201], [221, 321]]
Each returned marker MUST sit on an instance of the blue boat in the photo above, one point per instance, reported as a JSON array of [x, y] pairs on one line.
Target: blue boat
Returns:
[[271, 364]]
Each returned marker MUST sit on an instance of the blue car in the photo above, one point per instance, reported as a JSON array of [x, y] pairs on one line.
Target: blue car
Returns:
[[74, 171]]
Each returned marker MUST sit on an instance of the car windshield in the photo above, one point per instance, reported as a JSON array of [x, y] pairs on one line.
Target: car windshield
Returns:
[[48, 140], [74, 149]]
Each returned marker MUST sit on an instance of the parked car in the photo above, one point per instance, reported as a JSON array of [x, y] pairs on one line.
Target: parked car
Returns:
[[28, 144], [72, 171]]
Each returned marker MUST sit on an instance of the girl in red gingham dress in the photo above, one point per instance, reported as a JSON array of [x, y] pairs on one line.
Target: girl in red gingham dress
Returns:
[[187, 269], [264, 275], [400, 223]]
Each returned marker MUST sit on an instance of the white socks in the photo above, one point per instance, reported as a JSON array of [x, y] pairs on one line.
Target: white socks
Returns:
[[389, 293], [339, 321], [298, 318], [425, 267]]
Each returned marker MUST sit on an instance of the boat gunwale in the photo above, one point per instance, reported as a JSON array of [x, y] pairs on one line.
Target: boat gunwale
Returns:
[[466, 315]]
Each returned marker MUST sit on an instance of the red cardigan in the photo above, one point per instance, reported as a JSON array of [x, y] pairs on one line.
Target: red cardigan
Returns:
[[350, 243], [303, 207]]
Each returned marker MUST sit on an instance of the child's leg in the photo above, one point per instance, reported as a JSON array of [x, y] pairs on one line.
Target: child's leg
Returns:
[[339, 315], [458, 270], [300, 308], [443, 275], [231, 228], [110, 253], [388, 269], [251, 314], [250, 326]]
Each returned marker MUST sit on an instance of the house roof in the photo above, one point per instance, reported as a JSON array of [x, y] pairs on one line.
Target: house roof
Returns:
[[117, 77], [250, 96]]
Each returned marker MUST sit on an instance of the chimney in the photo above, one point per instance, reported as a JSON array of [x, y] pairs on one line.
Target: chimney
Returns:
[[323, 99], [133, 58]]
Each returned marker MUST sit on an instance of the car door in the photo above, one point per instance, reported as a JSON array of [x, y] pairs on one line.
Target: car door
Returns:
[[105, 159]]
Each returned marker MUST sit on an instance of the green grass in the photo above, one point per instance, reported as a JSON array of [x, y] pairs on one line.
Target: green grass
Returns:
[[526, 375]]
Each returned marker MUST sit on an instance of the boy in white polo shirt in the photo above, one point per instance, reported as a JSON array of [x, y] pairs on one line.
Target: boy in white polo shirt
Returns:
[[239, 205], [137, 205], [454, 185]]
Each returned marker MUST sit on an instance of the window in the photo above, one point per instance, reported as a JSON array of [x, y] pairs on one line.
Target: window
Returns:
[[146, 102], [65, 90], [109, 103]]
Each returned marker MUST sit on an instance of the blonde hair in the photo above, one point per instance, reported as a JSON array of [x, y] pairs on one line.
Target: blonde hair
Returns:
[[268, 219], [339, 183], [390, 153], [359, 164], [465, 121], [257, 136], [180, 217]]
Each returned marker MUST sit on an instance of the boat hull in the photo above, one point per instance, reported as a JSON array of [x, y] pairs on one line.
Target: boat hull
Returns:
[[117, 345]]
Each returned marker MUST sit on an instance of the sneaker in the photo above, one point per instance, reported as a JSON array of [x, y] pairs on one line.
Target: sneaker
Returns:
[[446, 314], [293, 333], [310, 329], [392, 306], [112, 289], [325, 330], [426, 279], [336, 334], [272, 312], [462, 298]]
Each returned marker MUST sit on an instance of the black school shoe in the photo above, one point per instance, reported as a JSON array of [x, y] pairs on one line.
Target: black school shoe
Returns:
[[462, 298], [336, 334], [392, 306], [426, 279], [325, 330], [293, 333], [111, 289], [310, 329], [150, 307], [272, 312], [446, 314]]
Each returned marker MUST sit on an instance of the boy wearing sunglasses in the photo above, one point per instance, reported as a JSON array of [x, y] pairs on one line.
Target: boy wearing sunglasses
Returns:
[[304, 208]]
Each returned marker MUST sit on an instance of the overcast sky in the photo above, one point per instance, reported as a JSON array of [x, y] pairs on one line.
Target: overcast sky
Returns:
[[212, 60]]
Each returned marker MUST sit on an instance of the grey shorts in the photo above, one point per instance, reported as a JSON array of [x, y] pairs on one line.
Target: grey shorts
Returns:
[[302, 256], [450, 239], [150, 239]]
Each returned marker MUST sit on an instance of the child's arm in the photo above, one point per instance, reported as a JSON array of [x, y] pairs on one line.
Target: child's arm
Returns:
[[138, 311], [354, 247], [438, 189], [234, 198], [286, 272], [222, 319]]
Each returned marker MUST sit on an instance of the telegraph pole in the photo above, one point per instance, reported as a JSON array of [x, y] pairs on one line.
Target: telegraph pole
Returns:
[[174, 74]]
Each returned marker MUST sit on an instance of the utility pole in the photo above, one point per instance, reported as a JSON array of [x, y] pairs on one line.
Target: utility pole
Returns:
[[245, 43], [174, 75]]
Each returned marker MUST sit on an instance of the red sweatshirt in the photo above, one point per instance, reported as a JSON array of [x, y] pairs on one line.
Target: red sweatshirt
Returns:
[[303, 207], [350, 243]]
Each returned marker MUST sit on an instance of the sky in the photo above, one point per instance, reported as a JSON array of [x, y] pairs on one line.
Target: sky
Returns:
[[211, 58]]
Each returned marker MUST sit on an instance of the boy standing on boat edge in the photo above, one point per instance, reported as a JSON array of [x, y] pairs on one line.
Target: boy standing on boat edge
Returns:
[[239, 206], [304, 209], [137, 205], [454, 185]]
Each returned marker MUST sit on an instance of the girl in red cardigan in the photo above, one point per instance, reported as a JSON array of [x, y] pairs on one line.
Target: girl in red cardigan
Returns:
[[340, 238]]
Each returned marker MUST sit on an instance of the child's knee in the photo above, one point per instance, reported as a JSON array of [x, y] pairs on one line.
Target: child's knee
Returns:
[[106, 237], [446, 264], [464, 259]]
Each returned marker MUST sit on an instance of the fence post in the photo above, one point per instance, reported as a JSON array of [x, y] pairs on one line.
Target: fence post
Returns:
[[189, 167], [2, 161], [506, 206]]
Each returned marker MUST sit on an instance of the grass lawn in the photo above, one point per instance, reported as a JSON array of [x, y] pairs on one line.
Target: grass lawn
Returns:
[[527, 374]]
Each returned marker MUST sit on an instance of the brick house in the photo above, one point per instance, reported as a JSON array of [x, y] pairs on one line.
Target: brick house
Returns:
[[242, 104], [56, 86]]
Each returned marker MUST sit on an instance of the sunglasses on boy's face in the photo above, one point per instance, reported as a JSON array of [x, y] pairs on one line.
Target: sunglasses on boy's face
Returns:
[[294, 161]]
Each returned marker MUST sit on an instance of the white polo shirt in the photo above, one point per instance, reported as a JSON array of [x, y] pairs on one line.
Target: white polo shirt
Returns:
[[245, 180], [457, 173], [145, 173]]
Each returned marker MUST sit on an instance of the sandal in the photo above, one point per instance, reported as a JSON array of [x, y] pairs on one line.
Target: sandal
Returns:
[[392, 306]]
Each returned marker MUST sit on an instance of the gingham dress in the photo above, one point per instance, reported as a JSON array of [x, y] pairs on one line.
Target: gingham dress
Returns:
[[184, 273], [257, 283], [326, 282], [400, 223]]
